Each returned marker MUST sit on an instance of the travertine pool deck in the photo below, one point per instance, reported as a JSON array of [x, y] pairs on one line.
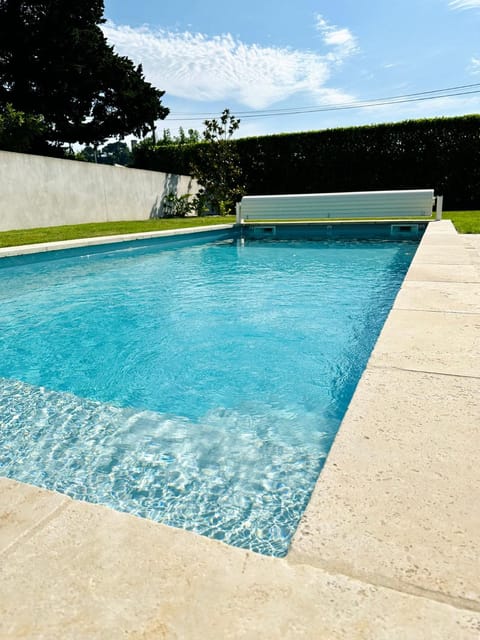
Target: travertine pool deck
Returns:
[[388, 548]]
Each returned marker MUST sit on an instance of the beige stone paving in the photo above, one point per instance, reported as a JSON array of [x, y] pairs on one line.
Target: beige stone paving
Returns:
[[442, 342], [472, 244], [443, 273], [458, 297], [94, 573], [440, 254], [389, 545], [23, 510]]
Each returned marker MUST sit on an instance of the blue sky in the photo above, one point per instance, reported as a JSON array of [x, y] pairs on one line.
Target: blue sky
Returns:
[[262, 56]]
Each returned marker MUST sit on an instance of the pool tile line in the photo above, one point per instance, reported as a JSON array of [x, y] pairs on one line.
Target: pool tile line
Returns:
[[379, 581], [442, 342], [450, 311], [431, 373], [33, 530], [20, 520]]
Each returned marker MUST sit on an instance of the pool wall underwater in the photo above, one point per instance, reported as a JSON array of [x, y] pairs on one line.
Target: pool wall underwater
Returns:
[[394, 231]]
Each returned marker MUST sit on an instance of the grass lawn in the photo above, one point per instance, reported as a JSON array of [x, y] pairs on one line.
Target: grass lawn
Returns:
[[464, 221], [90, 230]]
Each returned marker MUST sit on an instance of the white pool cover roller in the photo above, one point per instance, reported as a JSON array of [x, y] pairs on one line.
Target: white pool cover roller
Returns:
[[353, 204]]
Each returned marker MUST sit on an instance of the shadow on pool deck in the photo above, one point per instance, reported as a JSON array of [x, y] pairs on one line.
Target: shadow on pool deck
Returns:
[[388, 547]]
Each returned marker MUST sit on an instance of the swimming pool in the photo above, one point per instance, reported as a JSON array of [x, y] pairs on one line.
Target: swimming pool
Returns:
[[198, 383]]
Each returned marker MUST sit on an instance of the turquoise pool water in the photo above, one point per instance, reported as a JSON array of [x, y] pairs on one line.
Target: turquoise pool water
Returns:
[[200, 386]]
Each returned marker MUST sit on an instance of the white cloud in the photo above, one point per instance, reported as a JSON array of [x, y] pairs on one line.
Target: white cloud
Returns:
[[341, 38], [464, 4], [475, 65], [197, 67]]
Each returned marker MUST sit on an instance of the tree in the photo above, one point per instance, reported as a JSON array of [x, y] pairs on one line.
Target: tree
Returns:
[[55, 63], [218, 166], [112, 153], [116, 153], [87, 154], [191, 137], [19, 130]]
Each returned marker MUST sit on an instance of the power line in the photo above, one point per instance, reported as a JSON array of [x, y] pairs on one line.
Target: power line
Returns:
[[407, 95], [365, 104], [421, 96], [390, 98]]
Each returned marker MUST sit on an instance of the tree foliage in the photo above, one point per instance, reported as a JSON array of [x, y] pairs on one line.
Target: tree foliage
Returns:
[[192, 136], [55, 63], [112, 153], [214, 162], [217, 166], [18, 130], [116, 153]]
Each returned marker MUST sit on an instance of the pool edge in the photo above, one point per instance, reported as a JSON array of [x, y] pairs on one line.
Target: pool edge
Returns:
[[77, 243], [87, 569]]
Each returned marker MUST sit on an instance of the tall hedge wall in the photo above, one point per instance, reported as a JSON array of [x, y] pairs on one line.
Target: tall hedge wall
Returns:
[[439, 153]]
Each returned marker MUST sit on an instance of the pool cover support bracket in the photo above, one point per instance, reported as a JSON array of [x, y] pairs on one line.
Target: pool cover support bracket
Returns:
[[238, 213], [439, 208]]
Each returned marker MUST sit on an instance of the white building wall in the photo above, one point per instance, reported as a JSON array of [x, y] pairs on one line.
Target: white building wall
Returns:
[[36, 191]]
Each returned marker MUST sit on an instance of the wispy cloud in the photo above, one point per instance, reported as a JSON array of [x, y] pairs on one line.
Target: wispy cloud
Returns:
[[475, 65], [341, 38], [464, 4], [198, 67]]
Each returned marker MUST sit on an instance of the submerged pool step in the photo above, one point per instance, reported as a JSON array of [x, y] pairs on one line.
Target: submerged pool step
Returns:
[[231, 476]]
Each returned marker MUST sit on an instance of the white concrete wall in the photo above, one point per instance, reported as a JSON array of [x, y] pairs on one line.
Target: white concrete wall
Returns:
[[36, 191]]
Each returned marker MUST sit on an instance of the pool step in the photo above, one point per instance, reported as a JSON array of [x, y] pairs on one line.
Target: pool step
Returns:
[[240, 476]]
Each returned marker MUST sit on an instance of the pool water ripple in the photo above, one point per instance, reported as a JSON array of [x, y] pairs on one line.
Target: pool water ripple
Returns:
[[200, 387], [232, 477]]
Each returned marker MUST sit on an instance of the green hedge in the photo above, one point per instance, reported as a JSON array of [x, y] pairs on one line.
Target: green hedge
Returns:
[[439, 153], [170, 158]]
